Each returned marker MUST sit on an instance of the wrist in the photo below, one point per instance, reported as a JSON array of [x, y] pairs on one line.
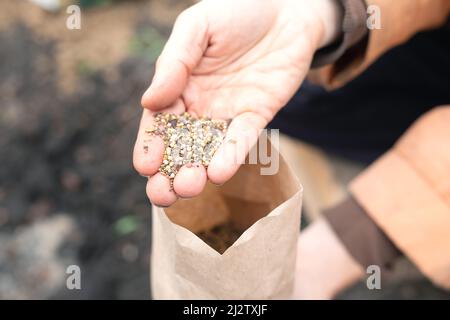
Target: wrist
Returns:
[[324, 267], [322, 19], [330, 14]]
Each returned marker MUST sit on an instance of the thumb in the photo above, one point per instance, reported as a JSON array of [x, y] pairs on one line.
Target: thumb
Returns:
[[180, 56]]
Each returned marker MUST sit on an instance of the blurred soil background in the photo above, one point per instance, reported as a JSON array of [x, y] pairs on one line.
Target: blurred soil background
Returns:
[[69, 112], [70, 107]]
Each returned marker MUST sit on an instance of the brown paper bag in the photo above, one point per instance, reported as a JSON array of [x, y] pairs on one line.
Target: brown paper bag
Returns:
[[260, 264]]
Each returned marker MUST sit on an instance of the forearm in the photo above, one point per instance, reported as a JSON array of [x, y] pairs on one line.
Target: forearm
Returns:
[[324, 18], [324, 266], [407, 195], [364, 240], [331, 13], [334, 251], [398, 20]]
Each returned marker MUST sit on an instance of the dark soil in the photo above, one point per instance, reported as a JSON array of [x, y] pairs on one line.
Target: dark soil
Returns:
[[221, 237], [72, 154]]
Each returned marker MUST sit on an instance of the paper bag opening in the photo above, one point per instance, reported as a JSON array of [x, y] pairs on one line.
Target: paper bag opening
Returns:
[[263, 213], [221, 214]]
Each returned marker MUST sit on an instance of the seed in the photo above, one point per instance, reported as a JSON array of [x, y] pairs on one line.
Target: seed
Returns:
[[187, 140]]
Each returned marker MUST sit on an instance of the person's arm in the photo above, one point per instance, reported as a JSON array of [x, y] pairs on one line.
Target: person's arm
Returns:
[[399, 205], [239, 60], [324, 266], [407, 194], [400, 20], [381, 221], [363, 239]]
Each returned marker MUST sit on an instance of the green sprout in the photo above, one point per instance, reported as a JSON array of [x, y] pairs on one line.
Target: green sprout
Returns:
[[126, 225]]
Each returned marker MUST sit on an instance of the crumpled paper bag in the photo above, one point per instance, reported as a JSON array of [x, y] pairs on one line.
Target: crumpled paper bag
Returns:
[[260, 264]]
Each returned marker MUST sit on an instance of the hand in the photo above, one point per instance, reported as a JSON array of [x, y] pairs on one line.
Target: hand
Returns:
[[324, 267], [236, 59]]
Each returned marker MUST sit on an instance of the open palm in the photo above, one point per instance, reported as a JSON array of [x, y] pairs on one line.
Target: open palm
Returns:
[[238, 59]]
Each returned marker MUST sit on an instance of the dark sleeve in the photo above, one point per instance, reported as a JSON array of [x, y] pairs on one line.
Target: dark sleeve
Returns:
[[363, 239], [354, 29]]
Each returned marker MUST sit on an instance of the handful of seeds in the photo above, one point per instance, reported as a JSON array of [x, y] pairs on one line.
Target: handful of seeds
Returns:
[[187, 140]]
